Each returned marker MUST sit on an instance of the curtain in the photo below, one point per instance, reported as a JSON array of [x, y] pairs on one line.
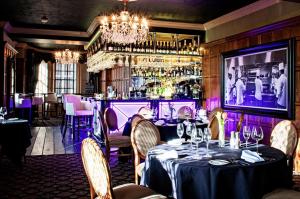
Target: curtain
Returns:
[[33, 61]]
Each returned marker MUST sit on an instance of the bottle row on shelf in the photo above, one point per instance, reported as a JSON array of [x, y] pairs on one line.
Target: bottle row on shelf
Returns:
[[184, 47]]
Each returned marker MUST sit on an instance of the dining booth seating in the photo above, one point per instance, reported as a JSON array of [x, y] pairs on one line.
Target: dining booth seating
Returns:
[[112, 135], [98, 173], [144, 136], [76, 110]]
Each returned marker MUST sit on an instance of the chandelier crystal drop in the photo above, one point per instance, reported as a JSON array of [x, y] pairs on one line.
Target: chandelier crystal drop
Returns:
[[124, 28], [67, 57]]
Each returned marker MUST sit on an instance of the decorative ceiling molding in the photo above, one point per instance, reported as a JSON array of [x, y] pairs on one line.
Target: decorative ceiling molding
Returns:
[[252, 8], [48, 32], [56, 41]]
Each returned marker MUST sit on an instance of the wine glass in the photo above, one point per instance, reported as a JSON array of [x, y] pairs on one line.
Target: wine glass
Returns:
[[3, 112], [246, 134], [189, 130], [207, 138], [198, 138], [180, 130], [257, 136]]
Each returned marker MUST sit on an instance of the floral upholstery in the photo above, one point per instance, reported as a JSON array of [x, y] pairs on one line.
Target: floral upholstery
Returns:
[[284, 137]]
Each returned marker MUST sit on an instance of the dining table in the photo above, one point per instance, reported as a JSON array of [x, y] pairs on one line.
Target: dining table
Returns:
[[15, 137], [167, 129], [175, 171]]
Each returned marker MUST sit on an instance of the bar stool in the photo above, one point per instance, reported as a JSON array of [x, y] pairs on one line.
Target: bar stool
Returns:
[[75, 109]]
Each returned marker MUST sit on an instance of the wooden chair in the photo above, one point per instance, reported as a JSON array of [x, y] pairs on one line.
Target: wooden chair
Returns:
[[99, 177], [51, 100], [145, 111], [144, 136], [213, 123], [284, 137], [134, 119], [116, 139], [185, 112]]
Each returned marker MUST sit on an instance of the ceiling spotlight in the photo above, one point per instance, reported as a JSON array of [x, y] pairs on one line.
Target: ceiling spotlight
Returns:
[[44, 19]]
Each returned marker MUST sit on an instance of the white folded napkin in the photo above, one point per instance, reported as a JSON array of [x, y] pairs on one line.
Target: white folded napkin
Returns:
[[168, 155], [159, 122], [251, 156]]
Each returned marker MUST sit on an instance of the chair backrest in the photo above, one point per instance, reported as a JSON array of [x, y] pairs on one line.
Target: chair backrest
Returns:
[[284, 137], [74, 99], [96, 169], [51, 97], [144, 136], [213, 123], [110, 119], [145, 111], [134, 119], [185, 112]]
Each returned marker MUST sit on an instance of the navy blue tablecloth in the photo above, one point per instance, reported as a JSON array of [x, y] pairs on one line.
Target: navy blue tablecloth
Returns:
[[15, 137], [167, 132], [187, 178]]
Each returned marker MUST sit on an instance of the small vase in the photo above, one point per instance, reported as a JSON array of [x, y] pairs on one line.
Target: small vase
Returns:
[[221, 135]]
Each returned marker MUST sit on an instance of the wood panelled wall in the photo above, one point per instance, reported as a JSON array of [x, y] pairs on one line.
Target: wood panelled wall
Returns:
[[212, 71]]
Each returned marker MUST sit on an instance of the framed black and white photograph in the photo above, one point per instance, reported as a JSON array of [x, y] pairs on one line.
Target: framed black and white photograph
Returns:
[[259, 79]]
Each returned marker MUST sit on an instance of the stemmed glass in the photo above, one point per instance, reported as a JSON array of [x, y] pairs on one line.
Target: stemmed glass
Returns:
[[246, 134], [207, 138], [180, 130], [257, 136], [189, 130], [198, 138]]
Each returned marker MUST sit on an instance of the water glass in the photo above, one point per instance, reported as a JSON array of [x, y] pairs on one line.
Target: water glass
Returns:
[[257, 135], [180, 130], [207, 138], [246, 134], [198, 138]]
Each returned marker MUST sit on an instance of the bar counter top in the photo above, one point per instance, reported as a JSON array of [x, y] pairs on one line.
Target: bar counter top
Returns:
[[144, 99]]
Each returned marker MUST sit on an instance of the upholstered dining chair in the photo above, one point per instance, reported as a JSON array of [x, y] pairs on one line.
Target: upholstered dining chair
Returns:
[[115, 139], [144, 136], [284, 138], [134, 119], [185, 112], [75, 109], [146, 112], [98, 173]]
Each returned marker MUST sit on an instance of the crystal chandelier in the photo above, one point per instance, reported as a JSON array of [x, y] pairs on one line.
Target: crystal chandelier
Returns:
[[124, 28], [66, 57]]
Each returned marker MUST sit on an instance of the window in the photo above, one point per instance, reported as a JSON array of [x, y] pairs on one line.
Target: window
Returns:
[[42, 83], [65, 78]]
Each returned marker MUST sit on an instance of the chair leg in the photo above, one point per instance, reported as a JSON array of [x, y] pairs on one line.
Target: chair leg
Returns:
[[73, 126], [78, 128], [66, 126]]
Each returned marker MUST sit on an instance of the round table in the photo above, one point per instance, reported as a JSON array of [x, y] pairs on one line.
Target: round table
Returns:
[[168, 131], [184, 177]]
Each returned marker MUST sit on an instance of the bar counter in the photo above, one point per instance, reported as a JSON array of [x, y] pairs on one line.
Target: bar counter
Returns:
[[125, 108]]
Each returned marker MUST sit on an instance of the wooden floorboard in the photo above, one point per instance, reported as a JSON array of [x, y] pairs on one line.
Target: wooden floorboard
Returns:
[[48, 148], [57, 139], [34, 132], [39, 142]]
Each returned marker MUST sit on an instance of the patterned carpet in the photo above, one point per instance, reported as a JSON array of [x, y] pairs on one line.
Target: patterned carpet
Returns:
[[54, 176]]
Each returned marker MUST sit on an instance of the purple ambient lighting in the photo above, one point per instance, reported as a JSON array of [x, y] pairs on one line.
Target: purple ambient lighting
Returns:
[[125, 110], [164, 107]]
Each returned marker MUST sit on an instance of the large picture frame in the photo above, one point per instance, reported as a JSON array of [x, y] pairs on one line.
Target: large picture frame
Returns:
[[259, 80]]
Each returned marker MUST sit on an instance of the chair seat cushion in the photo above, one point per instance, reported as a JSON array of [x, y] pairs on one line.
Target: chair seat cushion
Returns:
[[139, 168], [83, 113], [119, 140], [133, 191], [282, 193]]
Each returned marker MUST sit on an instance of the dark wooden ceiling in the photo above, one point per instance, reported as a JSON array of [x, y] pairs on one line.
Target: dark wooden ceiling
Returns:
[[78, 14]]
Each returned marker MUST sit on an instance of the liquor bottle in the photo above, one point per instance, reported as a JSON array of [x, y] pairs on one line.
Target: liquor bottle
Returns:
[[190, 49], [195, 48], [164, 48], [134, 47], [185, 48], [151, 47], [180, 49], [110, 47], [146, 47]]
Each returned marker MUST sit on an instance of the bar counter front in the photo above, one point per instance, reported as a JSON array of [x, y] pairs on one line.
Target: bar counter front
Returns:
[[125, 108]]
